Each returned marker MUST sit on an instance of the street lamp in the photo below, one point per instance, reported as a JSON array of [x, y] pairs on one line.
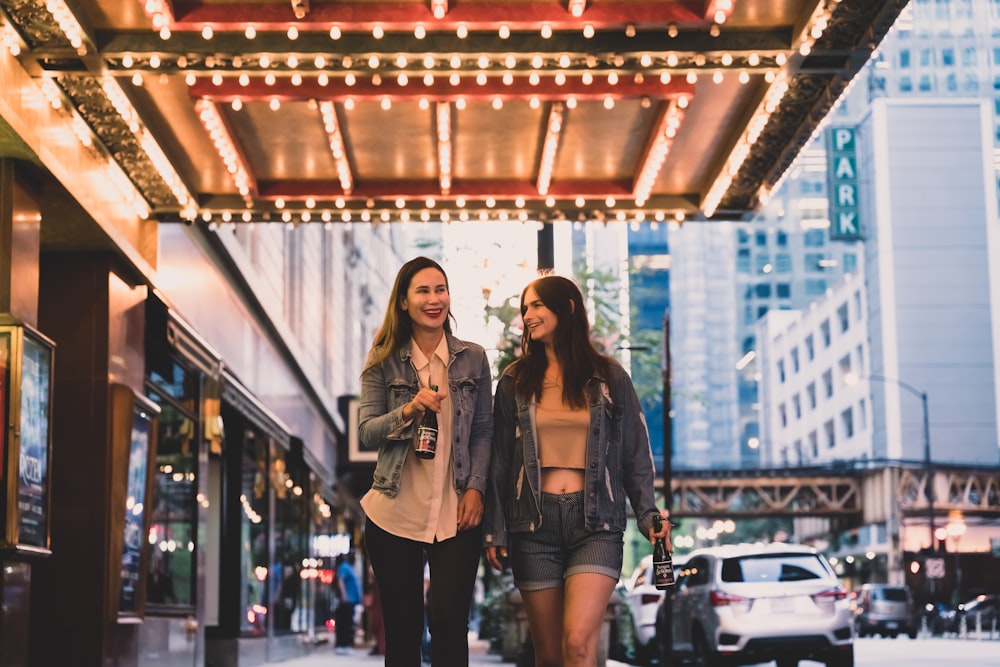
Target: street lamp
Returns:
[[852, 378]]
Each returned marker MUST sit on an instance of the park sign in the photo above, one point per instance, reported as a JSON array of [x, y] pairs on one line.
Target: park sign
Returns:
[[842, 177]]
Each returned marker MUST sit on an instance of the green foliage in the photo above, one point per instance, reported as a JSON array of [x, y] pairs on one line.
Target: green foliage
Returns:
[[600, 294], [496, 613]]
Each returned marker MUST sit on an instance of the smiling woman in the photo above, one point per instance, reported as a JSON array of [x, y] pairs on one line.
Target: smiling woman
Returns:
[[422, 509]]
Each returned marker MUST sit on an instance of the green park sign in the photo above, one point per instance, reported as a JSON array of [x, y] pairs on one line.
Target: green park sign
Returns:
[[842, 177]]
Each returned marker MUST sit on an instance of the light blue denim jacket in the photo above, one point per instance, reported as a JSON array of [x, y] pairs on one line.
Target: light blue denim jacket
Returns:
[[388, 386], [619, 461]]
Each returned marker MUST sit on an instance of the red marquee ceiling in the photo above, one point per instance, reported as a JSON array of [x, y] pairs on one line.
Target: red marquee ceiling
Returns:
[[453, 109]]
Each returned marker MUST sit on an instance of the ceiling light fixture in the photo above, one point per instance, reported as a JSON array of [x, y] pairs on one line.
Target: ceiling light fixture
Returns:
[[300, 8], [70, 27], [719, 10], [758, 121], [546, 163], [576, 7], [159, 13], [217, 130], [336, 142], [444, 147], [656, 153]]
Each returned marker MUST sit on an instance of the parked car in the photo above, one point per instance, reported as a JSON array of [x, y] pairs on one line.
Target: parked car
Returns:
[[882, 609], [643, 599], [980, 613], [751, 603]]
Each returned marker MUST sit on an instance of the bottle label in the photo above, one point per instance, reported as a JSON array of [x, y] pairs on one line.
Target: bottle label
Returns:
[[426, 441], [663, 573]]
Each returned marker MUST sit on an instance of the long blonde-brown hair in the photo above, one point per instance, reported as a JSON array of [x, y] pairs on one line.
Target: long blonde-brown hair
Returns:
[[397, 327]]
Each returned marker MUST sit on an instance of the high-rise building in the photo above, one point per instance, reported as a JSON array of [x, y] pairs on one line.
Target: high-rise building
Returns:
[[926, 342], [937, 50]]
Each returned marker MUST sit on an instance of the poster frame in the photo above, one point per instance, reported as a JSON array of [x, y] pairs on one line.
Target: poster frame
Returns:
[[132, 417], [27, 452]]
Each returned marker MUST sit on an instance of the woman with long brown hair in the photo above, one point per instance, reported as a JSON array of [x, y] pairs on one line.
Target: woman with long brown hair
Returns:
[[570, 443]]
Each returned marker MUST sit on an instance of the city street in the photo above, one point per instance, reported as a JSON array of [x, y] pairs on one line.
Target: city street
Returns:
[[934, 651], [869, 652], [931, 652]]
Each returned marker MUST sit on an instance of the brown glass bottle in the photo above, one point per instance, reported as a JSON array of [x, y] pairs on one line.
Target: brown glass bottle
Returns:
[[663, 562], [427, 433]]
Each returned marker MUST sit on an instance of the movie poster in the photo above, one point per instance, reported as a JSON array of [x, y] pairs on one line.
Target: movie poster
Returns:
[[32, 496], [135, 508]]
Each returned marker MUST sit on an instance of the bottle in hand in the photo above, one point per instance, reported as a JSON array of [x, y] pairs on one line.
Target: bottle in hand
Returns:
[[663, 563], [427, 433]]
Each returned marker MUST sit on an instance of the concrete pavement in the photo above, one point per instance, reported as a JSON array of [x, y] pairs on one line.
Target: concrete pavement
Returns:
[[323, 655]]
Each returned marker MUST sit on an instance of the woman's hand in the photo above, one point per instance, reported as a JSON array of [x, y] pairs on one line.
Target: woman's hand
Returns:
[[426, 399], [497, 557], [663, 532], [470, 509]]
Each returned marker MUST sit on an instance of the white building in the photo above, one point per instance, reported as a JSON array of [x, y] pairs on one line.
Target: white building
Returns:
[[814, 406]]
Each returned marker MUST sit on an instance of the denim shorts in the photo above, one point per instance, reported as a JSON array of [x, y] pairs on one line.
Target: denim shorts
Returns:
[[563, 546]]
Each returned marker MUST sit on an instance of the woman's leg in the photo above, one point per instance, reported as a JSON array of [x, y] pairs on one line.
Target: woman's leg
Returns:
[[585, 601], [453, 565], [398, 565], [545, 618]]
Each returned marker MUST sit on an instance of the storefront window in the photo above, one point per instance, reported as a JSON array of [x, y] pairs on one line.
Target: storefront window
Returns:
[[290, 482], [255, 519], [322, 579], [172, 532]]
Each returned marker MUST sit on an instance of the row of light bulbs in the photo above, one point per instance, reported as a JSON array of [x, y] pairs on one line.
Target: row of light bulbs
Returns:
[[216, 221], [455, 61], [462, 31], [454, 79]]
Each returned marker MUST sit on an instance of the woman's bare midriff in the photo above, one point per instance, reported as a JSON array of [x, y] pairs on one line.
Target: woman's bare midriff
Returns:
[[562, 480]]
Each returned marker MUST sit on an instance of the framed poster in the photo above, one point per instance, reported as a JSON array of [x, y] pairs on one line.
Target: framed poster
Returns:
[[356, 452], [133, 432], [27, 406]]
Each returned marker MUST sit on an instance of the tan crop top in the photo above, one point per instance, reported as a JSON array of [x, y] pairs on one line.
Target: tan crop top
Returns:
[[562, 431]]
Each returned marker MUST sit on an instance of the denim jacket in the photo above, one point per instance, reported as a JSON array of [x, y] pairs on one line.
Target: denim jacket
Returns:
[[391, 384], [619, 461]]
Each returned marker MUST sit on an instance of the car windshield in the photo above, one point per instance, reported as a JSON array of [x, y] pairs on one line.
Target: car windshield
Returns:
[[891, 594], [773, 567]]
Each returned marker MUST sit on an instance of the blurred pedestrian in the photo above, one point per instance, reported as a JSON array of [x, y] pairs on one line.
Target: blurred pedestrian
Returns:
[[425, 508], [570, 444], [350, 597], [373, 608]]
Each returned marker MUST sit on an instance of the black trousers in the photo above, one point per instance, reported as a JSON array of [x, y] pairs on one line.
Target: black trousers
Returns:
[[345, 624], [398, 564]]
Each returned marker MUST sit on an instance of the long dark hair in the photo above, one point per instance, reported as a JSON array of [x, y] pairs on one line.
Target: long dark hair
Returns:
[[571, 342], [397, 327]]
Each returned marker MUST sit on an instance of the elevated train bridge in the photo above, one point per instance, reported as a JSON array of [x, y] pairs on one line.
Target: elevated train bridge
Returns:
[[852, 495]]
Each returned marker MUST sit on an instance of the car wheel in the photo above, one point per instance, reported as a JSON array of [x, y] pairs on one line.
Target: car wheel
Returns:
[[704, 656], [787, 662]]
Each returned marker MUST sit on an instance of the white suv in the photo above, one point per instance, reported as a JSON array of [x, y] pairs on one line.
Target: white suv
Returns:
[[751, 603]]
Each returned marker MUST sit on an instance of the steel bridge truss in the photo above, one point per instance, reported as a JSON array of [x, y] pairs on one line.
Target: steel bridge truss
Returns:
[[870, 493]]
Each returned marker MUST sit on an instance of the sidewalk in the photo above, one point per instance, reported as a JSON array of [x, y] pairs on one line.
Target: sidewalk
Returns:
[[323, 656]]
